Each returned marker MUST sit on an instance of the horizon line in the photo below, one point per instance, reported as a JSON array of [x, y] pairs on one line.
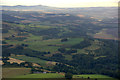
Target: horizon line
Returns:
[[60, 7]]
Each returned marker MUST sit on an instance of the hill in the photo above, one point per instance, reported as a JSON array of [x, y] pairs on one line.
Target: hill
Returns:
[[95, 12], [61, 42]]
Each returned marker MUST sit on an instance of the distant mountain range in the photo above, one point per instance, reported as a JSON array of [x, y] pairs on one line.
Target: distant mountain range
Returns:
[[28, 8], [41, 7]]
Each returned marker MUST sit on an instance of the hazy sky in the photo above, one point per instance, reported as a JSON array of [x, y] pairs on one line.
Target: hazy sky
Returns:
[[62, 3]]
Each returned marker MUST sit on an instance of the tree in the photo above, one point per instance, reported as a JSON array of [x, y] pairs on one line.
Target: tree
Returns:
[[68, 76], [63, 40], [62, 50]]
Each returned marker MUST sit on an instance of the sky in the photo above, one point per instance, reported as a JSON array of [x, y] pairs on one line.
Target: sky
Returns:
[[62, 3]]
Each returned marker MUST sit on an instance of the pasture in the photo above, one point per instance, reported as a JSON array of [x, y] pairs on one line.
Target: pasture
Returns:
[[12, 72], [106, 34], [42, 75], [51, 45], [94, 76], [34, 60]]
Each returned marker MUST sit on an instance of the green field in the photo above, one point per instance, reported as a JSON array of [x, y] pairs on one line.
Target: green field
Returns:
[[12, 72], [91, 76], [33, 60], [97, 76], [56, 75], [68, 57], [42, 75], [36, 43], [33, 38], [41, 26], [73, 41]]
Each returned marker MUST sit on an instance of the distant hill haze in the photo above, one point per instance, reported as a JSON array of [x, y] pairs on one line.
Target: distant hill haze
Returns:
[[28, 8], [97, 12]]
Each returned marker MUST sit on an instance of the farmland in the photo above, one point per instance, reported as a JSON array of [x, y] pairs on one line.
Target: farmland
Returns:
[[11, 72], [36, 43], [44, 75], [58, 42], [33, 60], [56, 75], [94, 76], [107, 34], [90, 75]]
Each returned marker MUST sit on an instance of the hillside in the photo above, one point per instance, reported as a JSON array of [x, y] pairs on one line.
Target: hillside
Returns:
[[96, 12], [56, 42]]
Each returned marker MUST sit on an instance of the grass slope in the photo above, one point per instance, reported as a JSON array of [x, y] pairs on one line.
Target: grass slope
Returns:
[[12, 72]]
